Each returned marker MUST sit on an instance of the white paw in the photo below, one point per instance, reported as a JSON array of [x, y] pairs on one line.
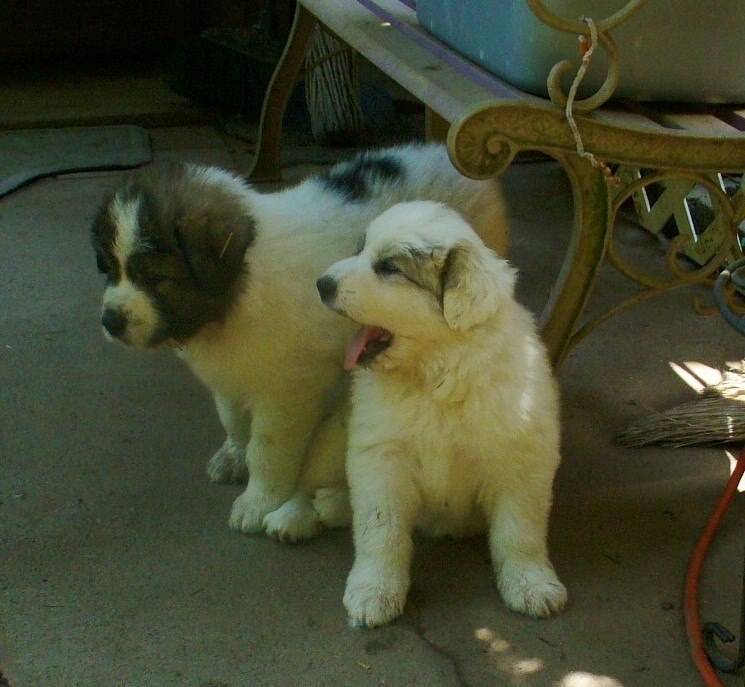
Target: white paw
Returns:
[[531, 588], [228, 464], [333, 507], [250, 509], [293, 521], [375, 595]]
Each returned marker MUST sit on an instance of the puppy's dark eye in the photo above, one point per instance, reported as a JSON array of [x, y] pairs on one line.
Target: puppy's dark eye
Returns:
[[102, 264], [152, 268], [386, 267]]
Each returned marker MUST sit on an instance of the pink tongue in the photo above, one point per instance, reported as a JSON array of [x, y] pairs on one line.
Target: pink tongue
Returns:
[[358, 344]]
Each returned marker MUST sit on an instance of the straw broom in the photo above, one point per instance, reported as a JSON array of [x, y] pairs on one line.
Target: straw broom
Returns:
[[716, 417], [332, 91]]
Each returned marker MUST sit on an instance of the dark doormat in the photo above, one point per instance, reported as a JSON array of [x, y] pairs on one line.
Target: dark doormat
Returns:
[[30, 154]]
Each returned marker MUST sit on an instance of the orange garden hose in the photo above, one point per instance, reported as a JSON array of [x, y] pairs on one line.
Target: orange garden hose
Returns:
[[690, 603]]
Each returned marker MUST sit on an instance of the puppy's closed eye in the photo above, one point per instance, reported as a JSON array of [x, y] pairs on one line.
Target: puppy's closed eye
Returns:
[[107, 266], [386, 267], [154, 268]]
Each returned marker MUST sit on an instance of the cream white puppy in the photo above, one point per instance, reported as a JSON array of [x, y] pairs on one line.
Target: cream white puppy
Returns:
[[455, 412]]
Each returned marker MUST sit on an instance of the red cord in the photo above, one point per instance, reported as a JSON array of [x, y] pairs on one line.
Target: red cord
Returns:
[[690, 602]]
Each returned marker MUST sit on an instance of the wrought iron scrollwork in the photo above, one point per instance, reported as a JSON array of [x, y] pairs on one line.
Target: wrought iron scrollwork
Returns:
[[582, 28], [680, 271]]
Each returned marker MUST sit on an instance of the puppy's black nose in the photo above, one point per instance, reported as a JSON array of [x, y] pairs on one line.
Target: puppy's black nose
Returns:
[[327, 288], [114, 322]]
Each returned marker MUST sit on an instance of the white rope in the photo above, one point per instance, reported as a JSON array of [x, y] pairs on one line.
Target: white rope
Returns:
[[587, 52]]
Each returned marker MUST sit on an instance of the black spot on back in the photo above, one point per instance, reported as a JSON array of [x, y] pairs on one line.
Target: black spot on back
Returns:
[[357, 179]]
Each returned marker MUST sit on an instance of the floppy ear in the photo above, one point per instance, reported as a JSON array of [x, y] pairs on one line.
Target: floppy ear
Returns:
[[475, 283], [213, 241]]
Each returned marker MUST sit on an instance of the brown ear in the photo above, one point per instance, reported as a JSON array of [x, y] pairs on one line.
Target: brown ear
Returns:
[[213, 239], [475, 282]]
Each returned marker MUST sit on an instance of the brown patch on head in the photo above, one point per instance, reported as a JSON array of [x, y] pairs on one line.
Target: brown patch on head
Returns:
[[193, 230], [187, 211], [421, 265]]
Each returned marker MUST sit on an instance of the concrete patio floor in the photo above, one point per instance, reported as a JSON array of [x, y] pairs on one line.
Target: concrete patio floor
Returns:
[[117, 567]]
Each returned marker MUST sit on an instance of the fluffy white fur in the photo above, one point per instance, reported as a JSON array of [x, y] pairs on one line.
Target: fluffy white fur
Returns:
[[455, 426], [271, 364]]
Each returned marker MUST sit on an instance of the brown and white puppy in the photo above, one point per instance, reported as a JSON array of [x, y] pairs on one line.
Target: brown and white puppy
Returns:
[[454, 425], [197, 260]]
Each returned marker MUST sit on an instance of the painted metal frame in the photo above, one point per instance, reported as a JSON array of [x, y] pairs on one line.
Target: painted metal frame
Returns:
[[485, 136]]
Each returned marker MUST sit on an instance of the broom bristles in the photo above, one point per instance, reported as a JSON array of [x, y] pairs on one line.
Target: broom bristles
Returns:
[[710, 420], [332, 91]]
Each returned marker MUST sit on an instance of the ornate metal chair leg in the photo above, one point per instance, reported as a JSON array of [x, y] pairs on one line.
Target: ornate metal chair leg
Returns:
[[592, 222], [481, 145], [266, 166]]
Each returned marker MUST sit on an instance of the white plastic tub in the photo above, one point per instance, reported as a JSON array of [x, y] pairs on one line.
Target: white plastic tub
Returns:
[[685, 50]]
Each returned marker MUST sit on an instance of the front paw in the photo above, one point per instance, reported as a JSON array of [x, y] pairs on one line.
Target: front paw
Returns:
[[250, 509], [228, 464], [375, 594], [295, 520], [531, 588]]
